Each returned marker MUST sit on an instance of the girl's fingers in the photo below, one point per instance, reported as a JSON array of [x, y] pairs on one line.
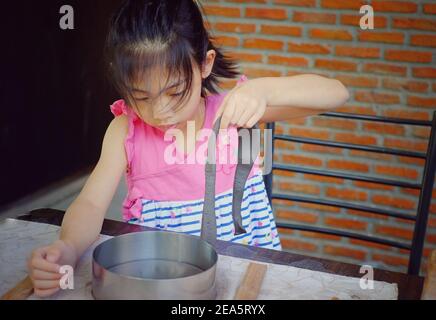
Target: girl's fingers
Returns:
[[37, 274], [46, 284], [227, 114], [42, 264], [45, 293], [254, 119], [246, 115], [221, 109]]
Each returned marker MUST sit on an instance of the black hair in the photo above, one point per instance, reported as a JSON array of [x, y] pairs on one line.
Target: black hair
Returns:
[[144, 34]]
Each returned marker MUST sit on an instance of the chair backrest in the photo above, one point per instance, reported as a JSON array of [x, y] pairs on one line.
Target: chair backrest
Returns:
[[425, 186]]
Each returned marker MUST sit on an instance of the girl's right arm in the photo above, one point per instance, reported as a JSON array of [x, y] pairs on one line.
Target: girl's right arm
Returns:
[[83, 219]]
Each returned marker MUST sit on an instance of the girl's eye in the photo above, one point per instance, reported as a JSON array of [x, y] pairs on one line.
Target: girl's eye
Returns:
[[173, 95]]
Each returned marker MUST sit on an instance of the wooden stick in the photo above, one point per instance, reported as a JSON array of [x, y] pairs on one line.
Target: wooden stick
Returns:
[[250, 285], [21, 291], [429, 291]]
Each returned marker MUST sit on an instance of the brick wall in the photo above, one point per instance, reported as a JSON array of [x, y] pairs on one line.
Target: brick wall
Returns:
[[389, 71]]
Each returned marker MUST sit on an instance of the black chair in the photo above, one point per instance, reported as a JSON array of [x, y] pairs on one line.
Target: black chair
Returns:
[[425, 186]]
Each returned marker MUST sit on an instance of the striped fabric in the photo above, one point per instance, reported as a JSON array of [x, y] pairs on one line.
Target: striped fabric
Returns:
[[185, 216]]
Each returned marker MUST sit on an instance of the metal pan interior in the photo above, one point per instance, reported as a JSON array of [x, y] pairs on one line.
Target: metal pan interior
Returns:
[[155, 255]]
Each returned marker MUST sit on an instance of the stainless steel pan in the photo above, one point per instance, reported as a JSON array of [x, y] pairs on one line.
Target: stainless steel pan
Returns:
[[170, 265]]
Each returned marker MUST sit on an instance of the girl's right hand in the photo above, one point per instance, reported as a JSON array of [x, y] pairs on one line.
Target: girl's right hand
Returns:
[[44, 265]]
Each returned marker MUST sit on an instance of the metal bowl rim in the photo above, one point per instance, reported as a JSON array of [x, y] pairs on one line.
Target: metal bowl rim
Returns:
[[94, 260]]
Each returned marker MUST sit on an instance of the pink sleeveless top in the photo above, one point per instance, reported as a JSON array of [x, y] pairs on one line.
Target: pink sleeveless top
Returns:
[[151, 180]]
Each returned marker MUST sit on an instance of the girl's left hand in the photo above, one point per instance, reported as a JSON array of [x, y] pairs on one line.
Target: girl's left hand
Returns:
[[243, 106]]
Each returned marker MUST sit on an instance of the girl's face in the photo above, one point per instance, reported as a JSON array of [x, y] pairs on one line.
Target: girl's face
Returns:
[[155, 101]]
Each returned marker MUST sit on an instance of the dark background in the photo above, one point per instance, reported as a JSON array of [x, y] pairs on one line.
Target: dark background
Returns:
[[54, 94]]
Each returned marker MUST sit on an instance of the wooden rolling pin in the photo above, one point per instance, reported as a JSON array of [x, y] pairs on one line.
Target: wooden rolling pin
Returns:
[[250, 285], [21, 291]]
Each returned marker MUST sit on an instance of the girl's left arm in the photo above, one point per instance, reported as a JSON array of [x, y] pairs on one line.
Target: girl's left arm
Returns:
[[272, 99], [299, 96]]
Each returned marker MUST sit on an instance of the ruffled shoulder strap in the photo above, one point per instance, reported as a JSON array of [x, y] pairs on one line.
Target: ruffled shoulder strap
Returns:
[[119, 107], [242, 79]]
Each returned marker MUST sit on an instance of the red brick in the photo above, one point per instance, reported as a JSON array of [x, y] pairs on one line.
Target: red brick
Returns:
[[285, 231], [408, 56], [235, 27], [347, 194], [421, 132], [373, 186], [345, 223], [400, 203], [255, 43], [319, 207], [319, 235], [394, 6], [302, 160], [296, 216], [396, 171], [266, 13], [288, 61], [297, 3], [347, 165], [323, 179], [383, 128], [309, 133], [355, 139], [281, 30], [297, 245], [370, 244], [344, 252], [366, 214], [340, 4], [248, 57], [406, 144], [222, 11], [414, 23], [422, 102], [424, 72], [226, 41], [358, 81], [283, 173], [390, 260], [300, 188], [423, 40], [354, 20], [308, 48], [320, 149], [403, 114], [429, 8], [245, 1], [394, 232], [335, 65], [314, 17], [334, 123], [331, 34], [357, 52], [373, 97], [385, 37], [357, 109], [409, 160], [384, 68], [258, 73], [370, 155], [402, 84]]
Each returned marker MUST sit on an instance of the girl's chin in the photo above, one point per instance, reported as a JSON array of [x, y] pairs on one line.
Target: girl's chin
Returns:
[[164, 128]]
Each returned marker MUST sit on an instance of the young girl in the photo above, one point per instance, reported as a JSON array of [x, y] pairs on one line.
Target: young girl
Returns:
[[165, 67]]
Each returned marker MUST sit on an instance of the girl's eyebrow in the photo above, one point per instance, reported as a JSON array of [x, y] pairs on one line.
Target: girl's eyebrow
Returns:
[[169, 87]]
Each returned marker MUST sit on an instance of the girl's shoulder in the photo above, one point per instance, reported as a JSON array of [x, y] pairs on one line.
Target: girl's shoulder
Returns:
[[119, 126]]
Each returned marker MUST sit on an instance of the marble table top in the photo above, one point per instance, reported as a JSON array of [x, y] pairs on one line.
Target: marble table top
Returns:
[[19, 238]]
